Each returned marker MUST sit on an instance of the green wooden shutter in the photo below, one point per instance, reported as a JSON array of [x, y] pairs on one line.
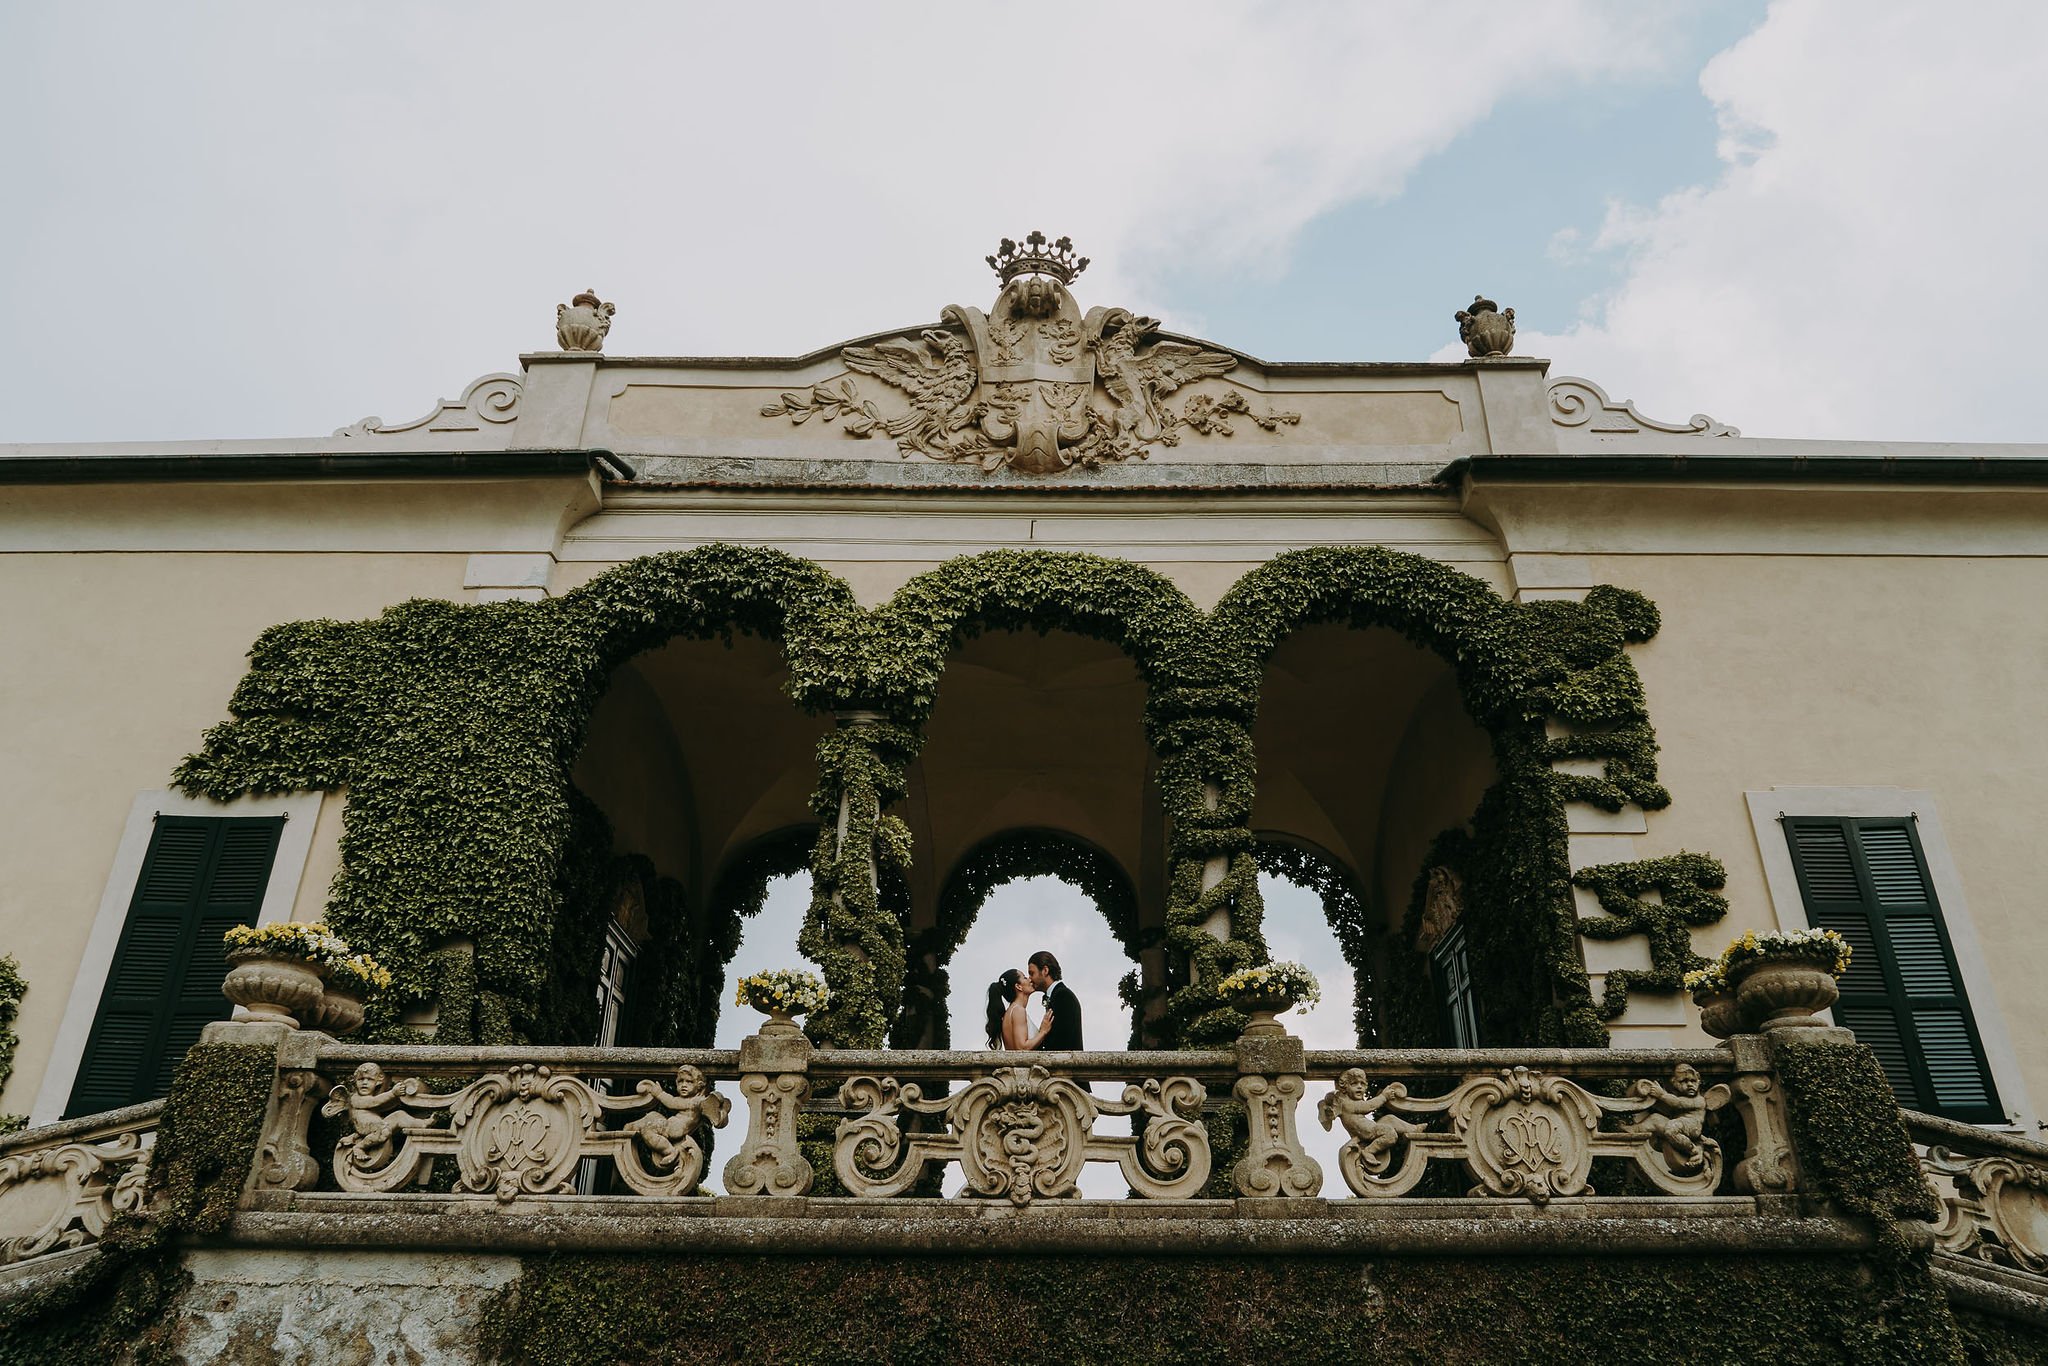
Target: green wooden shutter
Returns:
[[201, 875], [1866, 879]]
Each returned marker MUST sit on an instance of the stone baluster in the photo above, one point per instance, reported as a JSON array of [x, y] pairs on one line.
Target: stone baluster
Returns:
[[774, 1068], [1767, 1166], [1272, 1068]]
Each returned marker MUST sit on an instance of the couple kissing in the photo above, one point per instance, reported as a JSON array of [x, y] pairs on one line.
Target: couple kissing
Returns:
[[1009, 1022]]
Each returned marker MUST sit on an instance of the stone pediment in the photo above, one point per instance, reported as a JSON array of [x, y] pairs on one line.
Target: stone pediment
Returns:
[[1037, 385]]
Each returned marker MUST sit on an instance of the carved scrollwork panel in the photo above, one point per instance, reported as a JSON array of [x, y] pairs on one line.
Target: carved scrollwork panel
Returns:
[[490, 400], [1522, 1133], [1022, 1134], [1995, 1208], [1171, 1161], [64, 1196]]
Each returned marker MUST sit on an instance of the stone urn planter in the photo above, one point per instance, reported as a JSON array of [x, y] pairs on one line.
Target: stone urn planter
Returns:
[[1720, 1014], [339, 1010], [1782, 992], [1264, 1008], [273, 988], [782, 995]]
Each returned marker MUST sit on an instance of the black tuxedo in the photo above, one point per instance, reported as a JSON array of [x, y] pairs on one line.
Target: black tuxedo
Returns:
[[1066, 1017]]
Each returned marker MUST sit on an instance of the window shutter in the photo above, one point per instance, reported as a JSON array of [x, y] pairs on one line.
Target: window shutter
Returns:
[[1866, 879], [201, 875]]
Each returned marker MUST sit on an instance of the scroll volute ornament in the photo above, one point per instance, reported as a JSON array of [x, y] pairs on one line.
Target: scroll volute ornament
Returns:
[[1485, 329]]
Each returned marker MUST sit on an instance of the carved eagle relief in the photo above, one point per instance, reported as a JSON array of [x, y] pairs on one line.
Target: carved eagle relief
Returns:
[[1032, 386]]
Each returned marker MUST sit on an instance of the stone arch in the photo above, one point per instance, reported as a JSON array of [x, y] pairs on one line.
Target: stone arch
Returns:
[[1315, 869], [1518, 667], [1003, 858]]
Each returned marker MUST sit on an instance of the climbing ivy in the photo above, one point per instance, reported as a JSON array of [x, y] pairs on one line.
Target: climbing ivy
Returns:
[[1686, 885], [454, 729], [12, 988]]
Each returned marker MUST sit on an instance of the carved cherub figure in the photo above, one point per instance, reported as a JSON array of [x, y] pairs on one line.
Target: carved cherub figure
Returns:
[[1677, 1118], [365, 1099], [669, 1130], [1373, 1135]]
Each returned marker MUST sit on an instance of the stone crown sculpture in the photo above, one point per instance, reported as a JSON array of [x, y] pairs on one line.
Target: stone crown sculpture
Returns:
[[1060, 262]]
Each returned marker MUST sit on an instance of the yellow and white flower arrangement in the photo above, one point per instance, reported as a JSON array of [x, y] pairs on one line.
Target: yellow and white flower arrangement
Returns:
[[1824, 948], [1273, 981], [786, 991], [310, 941]]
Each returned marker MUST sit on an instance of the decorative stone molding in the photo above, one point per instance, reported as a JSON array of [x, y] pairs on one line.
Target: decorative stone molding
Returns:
[[1993, 1188], [520, 1132], [1576, 402], [1022, 1133], [65, 1194], [1032, 386], [1522, 1132], [492, 400]]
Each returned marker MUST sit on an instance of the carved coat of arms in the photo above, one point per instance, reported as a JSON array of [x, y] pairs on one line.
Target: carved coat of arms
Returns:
[[1033, 385]]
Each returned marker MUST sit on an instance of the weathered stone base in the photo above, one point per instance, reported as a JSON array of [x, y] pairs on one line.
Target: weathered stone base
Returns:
[[331, 1307]]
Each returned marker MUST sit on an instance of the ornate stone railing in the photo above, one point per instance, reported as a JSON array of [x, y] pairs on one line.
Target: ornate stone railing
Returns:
[[1993, 1188], [62, 1184], [1510, 1125]]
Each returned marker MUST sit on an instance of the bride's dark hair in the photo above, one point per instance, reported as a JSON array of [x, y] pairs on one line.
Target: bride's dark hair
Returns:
[[1000, 993]]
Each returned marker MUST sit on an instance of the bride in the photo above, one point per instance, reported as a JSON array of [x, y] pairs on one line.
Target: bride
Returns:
[[1009, 1025]]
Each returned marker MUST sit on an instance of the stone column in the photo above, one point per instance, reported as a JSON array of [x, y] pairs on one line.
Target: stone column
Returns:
[[1272, 1067]]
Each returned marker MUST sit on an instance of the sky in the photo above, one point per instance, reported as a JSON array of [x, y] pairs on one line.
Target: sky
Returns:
[[1810, 219]]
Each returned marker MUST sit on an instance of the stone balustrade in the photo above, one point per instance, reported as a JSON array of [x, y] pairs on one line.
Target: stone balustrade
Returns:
[[1524, 1125], [1994, 1192], [62, 1184]]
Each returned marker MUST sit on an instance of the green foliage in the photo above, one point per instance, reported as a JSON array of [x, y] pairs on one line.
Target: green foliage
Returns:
[[1687, 887], [454, 729], [117, 1303], [983, 1310], [1846, 1127], [13, 986]]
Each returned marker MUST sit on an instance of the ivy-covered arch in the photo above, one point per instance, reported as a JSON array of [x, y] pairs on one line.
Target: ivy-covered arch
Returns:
[[1003, 858], [1317, 870], [1520, 668], [454, 727]]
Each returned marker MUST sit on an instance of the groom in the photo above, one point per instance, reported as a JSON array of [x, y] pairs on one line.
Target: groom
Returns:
[[1044, 972]]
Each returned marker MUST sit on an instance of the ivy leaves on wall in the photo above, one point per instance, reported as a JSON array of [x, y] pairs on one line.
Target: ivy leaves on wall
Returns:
[[454, 729]]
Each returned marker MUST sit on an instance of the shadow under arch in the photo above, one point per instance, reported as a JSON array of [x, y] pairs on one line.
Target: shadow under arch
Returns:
[[1006, 857], [1517, 666], [1315, 869]]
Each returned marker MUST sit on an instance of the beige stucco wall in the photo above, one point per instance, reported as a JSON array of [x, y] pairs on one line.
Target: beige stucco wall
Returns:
[[1813, 637], [1845, 638], [126, 616]]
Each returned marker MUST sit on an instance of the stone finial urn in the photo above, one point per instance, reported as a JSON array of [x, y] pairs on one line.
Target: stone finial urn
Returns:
[[1720, 1015], [1782, 992], [1485, 329], [581, 324], [273, 989], [339, 1010]]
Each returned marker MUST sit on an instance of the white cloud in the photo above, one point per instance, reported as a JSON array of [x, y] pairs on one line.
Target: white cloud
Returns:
[[246, 220], [1869, 263]]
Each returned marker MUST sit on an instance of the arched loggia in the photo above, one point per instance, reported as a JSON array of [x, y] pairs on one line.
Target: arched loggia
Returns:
[[996, 862]]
